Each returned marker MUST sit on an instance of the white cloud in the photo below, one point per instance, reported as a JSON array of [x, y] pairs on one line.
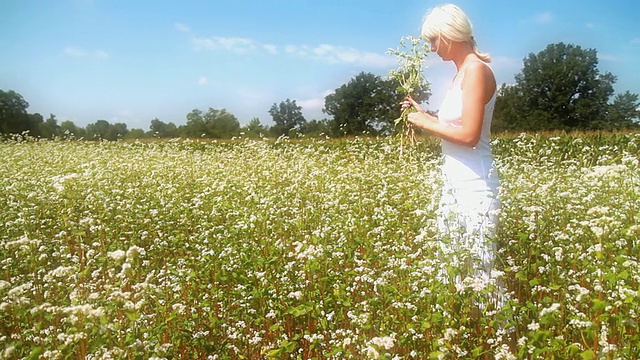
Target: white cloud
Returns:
[[75, 52], [332, 54], [323, 49], [378, 60], [507, 63], [337, 54], [347, 55], [80, 53], [271, 49], [182, 27], [544, 18], [591, 25], [100, 54], [302, 50], [636, 41], [203, 80], [235, 44], [314, 104]]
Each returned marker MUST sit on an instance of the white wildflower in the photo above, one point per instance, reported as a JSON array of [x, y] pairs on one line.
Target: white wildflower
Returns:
[[450, 334], [371, 352], [597, 230], [126, 270], [551, 309], [522, 341], [117, 255], [179, 308], [385, 342], [23, 243], [8, 352], [134, 252], [580, 324], [59, 272], [504, 353]]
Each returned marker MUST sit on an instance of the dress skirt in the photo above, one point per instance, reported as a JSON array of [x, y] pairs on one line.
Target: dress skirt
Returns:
[[467, 223]]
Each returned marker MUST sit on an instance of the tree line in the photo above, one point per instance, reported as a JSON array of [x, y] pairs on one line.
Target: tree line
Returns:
[[559, 88], [367, 104]]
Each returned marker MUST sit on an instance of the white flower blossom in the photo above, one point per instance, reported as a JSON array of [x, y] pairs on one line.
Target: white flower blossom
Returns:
[[117, 255], [551, 309]]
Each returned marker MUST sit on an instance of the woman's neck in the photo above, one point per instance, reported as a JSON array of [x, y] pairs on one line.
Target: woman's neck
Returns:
[[464, 53]]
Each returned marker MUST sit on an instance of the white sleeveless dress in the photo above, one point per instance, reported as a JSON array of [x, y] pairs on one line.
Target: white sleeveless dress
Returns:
[[469, 206]]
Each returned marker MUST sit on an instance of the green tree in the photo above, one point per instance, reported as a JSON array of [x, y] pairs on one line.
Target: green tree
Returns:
[[116, 131], [70, 130], [366, 104], [214, 124], [624, 112], [505, 112], [135, 134], [195, 126], [221, 124], [558, 88], [316, 128], [98, 130], [254, 129], [287, 117], [34, 124], [50, 128], [14, 118], [163, 130]]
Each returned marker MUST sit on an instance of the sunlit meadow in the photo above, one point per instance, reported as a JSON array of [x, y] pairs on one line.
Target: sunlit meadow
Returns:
[[320, 249]]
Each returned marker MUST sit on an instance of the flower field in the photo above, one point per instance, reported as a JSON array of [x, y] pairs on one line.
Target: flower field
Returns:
[[313, 249]]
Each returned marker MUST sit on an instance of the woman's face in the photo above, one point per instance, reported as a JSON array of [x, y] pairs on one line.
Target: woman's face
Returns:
[[440, 47]]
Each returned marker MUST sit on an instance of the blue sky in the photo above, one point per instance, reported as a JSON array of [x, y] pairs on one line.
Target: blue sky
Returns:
[[133, 61]]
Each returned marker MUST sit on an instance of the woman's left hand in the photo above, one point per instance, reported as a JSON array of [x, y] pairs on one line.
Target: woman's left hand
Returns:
[[409, 102]]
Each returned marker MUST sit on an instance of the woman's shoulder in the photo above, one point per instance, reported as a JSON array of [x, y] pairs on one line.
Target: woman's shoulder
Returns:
[[478, 68], [478, 71]]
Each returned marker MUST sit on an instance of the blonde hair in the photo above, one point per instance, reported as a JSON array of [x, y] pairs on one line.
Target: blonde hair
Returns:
[[449, 23]]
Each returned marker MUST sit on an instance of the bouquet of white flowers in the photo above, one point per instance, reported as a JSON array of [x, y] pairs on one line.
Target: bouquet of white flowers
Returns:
[[411, 55]]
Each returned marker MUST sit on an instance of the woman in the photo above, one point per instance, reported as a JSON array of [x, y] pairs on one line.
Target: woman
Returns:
[[469, 207]]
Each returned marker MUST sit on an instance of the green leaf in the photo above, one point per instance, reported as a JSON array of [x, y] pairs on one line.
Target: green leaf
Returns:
[[599, 305], [573, 349], [624, 275], [35, 353], [132, 315], [587, 355], [288, 346], [273, 353], [478, 351], [298, 310]]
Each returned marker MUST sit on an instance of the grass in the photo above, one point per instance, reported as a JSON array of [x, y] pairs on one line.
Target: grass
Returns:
[[310, 249]]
